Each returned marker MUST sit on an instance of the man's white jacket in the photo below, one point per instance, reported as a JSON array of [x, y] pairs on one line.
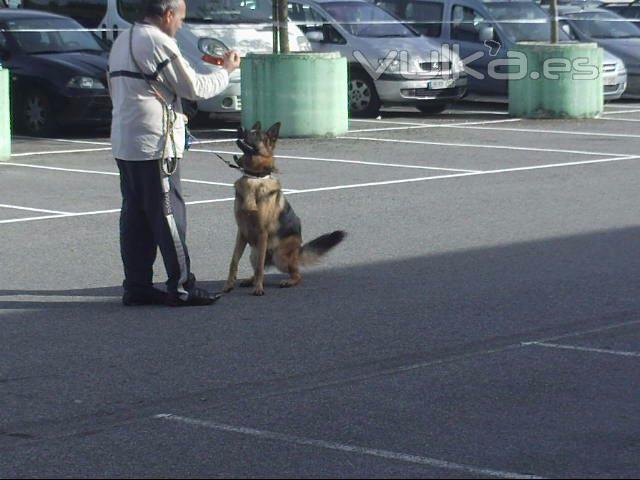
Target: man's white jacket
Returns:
[[137, 129]]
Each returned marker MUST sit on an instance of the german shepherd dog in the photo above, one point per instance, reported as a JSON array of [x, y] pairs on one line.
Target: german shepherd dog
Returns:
[[265, 219]]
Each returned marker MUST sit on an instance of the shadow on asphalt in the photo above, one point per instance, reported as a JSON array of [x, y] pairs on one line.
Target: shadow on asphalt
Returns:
[[523, 285]]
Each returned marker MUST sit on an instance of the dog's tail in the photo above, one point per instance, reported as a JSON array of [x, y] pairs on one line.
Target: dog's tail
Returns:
[[312, 252]]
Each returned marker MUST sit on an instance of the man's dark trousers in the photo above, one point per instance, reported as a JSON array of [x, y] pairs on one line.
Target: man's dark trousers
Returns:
[[153, 215]]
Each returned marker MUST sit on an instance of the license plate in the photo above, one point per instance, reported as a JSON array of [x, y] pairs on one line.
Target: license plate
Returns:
[[440, 84], [609, 81]]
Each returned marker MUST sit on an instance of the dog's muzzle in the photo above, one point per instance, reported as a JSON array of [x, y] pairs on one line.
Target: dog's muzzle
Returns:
[[246, 148]]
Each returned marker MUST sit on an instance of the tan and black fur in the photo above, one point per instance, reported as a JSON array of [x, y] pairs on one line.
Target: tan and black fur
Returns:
[[265, 219]]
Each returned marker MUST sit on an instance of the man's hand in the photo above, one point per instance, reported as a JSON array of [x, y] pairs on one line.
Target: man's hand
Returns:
[[231, 61]]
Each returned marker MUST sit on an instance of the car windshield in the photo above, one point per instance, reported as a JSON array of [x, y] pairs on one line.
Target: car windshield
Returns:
[[602, 24], [228, 11], [367, 20], [523, 22], [51, 35]]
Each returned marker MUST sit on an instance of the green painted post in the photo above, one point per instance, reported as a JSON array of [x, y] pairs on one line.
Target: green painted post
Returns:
[[561, 80], [307, 92], [5, 119]]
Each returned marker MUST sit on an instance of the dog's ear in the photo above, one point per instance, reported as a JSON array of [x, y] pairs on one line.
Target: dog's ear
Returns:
[[274, 132], [257, 127]]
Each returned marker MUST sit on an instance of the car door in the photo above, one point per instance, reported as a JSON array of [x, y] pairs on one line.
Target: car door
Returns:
[[120, 15], [467, 27]]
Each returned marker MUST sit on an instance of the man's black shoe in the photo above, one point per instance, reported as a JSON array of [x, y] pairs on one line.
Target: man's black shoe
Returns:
[[150, 296], [197, 298]]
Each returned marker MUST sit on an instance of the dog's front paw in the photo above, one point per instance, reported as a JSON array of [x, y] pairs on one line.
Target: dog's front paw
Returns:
[[258, 292], [228, 287]]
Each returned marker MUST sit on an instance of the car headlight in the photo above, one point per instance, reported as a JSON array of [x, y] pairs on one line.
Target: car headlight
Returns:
[[391, 67], [213, 47], [86, 83]]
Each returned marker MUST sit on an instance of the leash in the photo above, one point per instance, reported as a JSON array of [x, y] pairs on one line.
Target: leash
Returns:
[[246, 173], [169, 165]]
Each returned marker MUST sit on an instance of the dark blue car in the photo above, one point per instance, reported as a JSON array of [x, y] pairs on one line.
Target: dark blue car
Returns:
[[58, 72]]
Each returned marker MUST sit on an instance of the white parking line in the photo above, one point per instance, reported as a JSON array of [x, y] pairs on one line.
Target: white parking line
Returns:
[[610, 112], [29, 209], [323, 444], [416, 126], [474, 112], [373, 184], [589, 332], [83, 142], [214, 130], [33, 219], [471, 174], [582, 349], [336, 160], [218, 140], [622, 105], [57, 152], [101, 172], [470, 145], [552, 132], [632, 120]]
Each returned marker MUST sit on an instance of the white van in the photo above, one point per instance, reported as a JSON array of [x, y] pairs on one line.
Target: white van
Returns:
[[242, 25]]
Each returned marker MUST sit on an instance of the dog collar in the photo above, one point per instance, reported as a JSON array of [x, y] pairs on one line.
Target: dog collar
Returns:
[[256, 177]]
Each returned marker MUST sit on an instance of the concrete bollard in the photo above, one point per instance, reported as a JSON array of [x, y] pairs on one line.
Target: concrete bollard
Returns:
[[557, 82], [5, 117], [307, 92]]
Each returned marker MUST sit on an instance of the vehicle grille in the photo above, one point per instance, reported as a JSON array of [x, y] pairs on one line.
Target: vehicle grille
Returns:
[[437, 66]]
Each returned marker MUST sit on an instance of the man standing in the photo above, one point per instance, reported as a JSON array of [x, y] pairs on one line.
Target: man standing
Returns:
[[147, 79]]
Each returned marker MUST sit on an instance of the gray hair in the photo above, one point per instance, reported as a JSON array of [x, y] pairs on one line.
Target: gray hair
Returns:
[[157, 8]]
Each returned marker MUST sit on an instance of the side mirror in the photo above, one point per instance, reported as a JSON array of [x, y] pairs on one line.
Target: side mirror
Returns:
[[485, 34], [315, 36], [567, 29]]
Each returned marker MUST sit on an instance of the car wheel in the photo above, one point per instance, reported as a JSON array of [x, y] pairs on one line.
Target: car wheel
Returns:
[[431, 108], [363, 97], [37, 114]]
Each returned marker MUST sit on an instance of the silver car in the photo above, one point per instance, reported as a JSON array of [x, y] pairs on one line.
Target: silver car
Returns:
[[610, 31], [389, 63]]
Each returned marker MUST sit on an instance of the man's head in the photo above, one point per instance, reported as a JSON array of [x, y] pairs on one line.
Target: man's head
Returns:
[[167, 15]]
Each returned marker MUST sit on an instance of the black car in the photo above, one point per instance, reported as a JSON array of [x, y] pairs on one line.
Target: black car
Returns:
[[58, 72]]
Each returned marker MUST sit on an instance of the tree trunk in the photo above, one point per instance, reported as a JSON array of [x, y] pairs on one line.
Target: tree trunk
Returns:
[[283, 25]]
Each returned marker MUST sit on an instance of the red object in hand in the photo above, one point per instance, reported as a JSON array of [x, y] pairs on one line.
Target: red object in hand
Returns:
[[213, 60]]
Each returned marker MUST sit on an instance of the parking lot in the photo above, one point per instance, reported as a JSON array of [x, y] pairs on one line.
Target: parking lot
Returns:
[[481, 320]]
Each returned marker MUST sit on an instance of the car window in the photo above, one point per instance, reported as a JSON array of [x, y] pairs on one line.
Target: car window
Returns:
[[309, 19], [3, 42], [304, 14], [51, 35], [88, 13], [632, 12], [367, 20], [426, 17], [466, 24], [131, 10], [603, 24]]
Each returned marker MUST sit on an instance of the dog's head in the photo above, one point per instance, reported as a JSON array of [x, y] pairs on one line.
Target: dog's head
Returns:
[[257, 147]]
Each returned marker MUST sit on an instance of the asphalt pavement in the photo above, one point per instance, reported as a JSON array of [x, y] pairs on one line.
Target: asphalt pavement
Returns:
[[481, 320]]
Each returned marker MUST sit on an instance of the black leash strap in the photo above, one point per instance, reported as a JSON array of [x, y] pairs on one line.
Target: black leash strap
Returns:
[[228, 163]]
